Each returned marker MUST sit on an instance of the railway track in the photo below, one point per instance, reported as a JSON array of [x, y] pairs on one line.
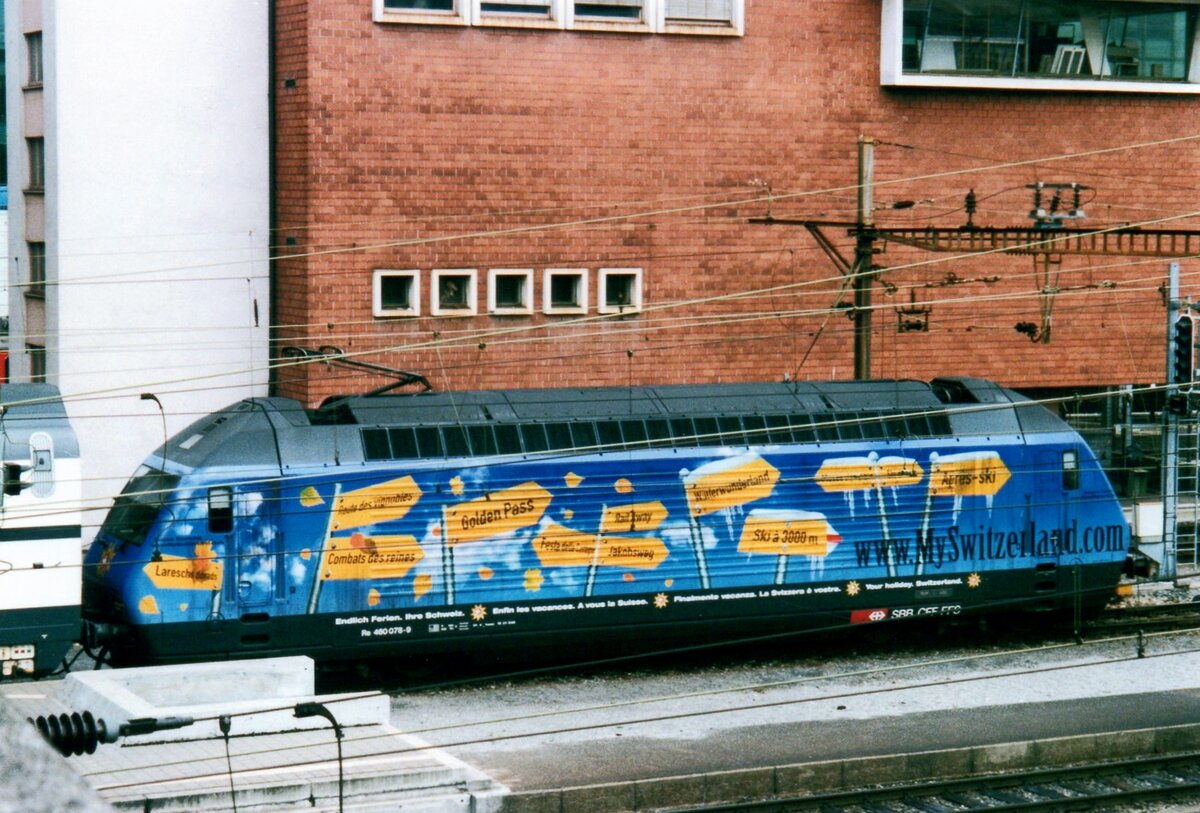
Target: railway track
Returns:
[[1156, 618], [1103, 786]]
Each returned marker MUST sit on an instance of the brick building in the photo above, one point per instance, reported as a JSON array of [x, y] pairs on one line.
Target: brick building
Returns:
[[559, 192]]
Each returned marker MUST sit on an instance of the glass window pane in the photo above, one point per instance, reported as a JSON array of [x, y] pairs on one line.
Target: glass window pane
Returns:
[[483, 442], [375, 444], [658, 431], [635, 433], [508, 439], [429, 441], [583, 434], [455, 438], [535, 437], [731, 430], [755, 426], [779, 428], [826, 427], [803, 430], [706, 432], [683, 432], [404, 443], [872, 425], [559, 436], [609, 435]]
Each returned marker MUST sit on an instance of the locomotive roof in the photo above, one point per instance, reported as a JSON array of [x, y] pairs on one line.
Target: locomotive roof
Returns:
[[280, 432]]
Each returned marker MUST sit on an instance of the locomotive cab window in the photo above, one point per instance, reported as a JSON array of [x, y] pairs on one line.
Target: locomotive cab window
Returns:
[[1070, 470], [220, 510]]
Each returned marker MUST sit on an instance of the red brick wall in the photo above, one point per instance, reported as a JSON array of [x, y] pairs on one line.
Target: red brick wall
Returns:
[[412, 147]]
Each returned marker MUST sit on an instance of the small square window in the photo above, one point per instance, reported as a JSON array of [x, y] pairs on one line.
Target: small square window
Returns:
[[620, 290], [564, 290], [396, 293], [611, 10], [453, 292], [510, 291], [426, 12]]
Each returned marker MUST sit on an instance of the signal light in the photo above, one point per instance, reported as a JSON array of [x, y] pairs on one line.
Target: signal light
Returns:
[[1183, 350]]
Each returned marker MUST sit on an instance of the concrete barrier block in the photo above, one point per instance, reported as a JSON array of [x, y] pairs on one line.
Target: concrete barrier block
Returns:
[[810, 777], [1177, 738], [1124, 744], [1065, 750], [738, 786], [535, 802], [678, 791], [999, 757], [875, 770], [934, 764], [613, 798]]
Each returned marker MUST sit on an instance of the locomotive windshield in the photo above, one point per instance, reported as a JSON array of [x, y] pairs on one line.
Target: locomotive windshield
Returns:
[[139, 505]]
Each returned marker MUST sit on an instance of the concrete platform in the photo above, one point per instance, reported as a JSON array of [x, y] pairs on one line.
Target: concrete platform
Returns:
[[270, 761]]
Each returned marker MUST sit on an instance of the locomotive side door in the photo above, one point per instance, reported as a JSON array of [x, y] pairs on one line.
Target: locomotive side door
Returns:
[[258, 542], [243, 521]]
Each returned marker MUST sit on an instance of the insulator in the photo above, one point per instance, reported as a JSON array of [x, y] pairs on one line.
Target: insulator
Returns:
[[73, 733]]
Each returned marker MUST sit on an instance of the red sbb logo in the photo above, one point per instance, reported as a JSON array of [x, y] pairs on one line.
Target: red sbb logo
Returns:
[[868, 616]]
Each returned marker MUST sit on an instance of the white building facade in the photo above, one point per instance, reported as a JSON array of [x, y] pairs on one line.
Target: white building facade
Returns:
[[139, 215]]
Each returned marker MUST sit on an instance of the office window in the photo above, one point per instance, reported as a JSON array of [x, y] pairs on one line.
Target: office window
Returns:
[[396, 293], [37, 164], [510, 291], [452, 292], [33, 50], [425, 12], [620, 290], [564, 290], [37, 363], [518, 13], [1062, 44], [37, 270], [701, 16]]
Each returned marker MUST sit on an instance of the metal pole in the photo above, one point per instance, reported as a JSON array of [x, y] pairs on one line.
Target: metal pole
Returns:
[[864, 254], [1170, 441]]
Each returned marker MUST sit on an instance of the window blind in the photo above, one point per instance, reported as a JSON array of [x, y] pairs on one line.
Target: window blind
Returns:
[[699, 10]]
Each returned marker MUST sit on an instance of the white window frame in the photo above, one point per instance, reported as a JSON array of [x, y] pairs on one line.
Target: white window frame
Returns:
[[435, 285], [635, 305], [735, 27], [891, 69], [414, 297], [553, 18], [645, 25], [460, 14], [526, 307], [581, 280]]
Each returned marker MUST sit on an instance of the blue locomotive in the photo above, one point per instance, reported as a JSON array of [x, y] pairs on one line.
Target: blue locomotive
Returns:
[[385, 525]]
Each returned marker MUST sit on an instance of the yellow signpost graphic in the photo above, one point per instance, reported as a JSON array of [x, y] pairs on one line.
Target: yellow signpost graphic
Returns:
[[788, 533], [862, 473], [729, 483], [557, 546], [381, 502], [619, 551], [380, 557], [178, 573], [970, 474], [499, 513], [630, 519]]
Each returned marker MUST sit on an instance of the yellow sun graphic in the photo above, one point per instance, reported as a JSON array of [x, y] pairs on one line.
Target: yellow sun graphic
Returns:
[[852, 589], [478, 612], [660, 600], [974, 580]]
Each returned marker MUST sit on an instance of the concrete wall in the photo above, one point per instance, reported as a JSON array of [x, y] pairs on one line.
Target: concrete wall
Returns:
[[156, 122], [391, 135]]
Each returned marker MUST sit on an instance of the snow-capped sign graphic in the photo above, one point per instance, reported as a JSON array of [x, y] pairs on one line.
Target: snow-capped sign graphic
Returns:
[[788, 533]]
